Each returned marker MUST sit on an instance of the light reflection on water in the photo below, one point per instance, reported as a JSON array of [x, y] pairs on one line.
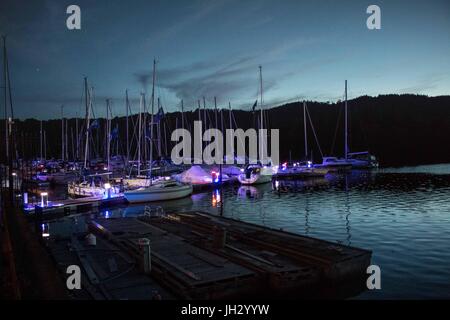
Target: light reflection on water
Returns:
[[402, 215]]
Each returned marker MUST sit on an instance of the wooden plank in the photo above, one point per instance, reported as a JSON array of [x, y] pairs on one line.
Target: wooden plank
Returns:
[[249, 255], [85, 262], [188, 273]]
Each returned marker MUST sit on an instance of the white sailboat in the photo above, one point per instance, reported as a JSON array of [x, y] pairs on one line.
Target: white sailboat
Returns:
[[257, 173], [94, 185], [161, 190]]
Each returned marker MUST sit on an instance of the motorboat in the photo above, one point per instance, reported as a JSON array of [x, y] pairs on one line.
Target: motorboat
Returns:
[[255, 174]]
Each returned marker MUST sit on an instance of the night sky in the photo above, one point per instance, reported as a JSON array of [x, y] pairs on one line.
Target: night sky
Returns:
[[213, 48]]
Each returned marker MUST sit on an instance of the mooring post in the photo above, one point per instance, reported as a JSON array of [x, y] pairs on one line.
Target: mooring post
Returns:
[[144, 246]]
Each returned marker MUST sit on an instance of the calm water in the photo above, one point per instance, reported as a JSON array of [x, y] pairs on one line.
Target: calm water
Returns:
[[402, 215]]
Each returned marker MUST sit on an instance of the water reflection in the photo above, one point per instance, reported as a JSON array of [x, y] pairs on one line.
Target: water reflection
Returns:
[[248, 192]]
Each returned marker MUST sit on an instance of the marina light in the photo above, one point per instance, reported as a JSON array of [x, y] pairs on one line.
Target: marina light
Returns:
[[45, 230], [108, 189], [215, 176], [14, 174], [44, 199]]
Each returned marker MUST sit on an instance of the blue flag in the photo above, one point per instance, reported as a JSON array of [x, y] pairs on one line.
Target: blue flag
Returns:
[[114, 133], [148, 133], [93, 125], [254, 105], [160, 115]]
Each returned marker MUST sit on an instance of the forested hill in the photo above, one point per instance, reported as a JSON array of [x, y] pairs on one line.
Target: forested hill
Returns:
[[398, 129]]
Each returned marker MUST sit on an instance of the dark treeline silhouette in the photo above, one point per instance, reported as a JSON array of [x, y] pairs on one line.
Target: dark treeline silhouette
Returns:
[[398, 129]]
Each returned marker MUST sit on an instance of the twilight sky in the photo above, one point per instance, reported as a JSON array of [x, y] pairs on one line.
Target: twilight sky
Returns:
[[213, 48]]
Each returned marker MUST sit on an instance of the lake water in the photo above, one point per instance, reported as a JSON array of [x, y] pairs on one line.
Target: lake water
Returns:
[[401, 214]]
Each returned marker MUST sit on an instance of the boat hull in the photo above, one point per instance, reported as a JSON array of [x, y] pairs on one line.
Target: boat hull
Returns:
[[335, 167], [302, 173], [153, 194], [254, 179]]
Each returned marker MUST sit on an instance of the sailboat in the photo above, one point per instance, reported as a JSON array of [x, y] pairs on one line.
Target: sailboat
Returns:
[[257, 173], [336, 164], [362, 160], [162, 189], [304, 169], [94, 185], [91, 184]]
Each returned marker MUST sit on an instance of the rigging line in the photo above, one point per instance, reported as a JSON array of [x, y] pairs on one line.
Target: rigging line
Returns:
[[336, 130], [314, 132]]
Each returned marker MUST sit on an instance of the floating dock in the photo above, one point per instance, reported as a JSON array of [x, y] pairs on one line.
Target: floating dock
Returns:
[[71, 206], [195, 255]]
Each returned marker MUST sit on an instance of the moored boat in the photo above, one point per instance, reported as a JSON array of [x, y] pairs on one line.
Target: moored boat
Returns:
[[334, 164], [362, 160], [300, 170], [199, 177], [161, 191], [255, 174]]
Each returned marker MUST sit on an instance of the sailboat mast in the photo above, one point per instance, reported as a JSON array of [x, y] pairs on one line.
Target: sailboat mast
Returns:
[[151, 120], [72, 143], [200, 119], [66, 138], [140, 133], [45, 145], [126, 107], [77, 137], [88, 115], [229, 115], [204, 113], [262, 115], [158, 126], [6, 99], [62, 133], [346, 123], [182, 115], [108, 133], [305, 131], [41, 140], [215, 112]]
